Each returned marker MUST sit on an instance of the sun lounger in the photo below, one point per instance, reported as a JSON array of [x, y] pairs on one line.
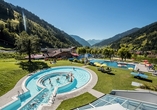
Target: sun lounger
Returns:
[[107, 70], [139, 75]]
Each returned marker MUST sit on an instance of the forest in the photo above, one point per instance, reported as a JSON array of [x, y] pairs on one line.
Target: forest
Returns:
[[144, 39], [12, 25]]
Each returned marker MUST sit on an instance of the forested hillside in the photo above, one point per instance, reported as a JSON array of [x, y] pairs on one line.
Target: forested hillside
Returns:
[[144, 39], [12, 24], [116, 37]]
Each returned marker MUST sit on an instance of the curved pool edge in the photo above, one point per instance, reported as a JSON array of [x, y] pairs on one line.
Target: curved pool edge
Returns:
[[73, 93], [64, 96]]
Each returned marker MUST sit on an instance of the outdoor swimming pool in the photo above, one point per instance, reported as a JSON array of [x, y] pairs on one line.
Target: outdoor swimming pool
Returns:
[[112, 63], [42, 84]]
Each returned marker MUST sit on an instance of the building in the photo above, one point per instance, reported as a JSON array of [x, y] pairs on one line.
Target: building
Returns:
[[59, 53]]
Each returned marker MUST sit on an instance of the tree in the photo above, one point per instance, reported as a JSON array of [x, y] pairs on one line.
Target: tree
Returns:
[[124, 53], [121, 52], [94, 52], [108, 52], [81, 50], [27, 44]]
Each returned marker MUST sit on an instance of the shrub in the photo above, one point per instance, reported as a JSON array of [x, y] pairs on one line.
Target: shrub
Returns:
[[155, 87], [75, 60], [19, 57], [88, 63], [142, 86], [152, 88], [79, 61], [82, 60], [147, 86], [7, 55]]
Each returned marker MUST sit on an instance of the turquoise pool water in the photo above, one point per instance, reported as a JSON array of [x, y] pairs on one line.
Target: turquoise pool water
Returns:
[[48, 79], [112, 63], [81, 76]]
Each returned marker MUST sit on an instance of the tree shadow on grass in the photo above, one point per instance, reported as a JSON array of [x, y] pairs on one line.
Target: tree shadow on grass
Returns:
[[33, 66]]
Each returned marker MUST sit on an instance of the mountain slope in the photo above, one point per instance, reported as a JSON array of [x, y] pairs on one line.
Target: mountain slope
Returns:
[[93, 41], [12, 24], [116, 37], [80, 40], [144, 39]]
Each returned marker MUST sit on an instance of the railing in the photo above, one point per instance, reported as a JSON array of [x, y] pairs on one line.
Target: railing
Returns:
[[35, 101]]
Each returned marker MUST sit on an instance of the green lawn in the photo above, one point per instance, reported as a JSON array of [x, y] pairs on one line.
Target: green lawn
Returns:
[[121, 80], [11, 71], [64, 63], [83, 99], [10, 74]]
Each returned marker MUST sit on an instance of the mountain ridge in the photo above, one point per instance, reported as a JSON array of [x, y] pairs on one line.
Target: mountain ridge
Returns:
[[116, 37], [93, 41], [144, 39]]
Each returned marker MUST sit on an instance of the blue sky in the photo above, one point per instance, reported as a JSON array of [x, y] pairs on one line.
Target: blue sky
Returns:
[[93, 19]]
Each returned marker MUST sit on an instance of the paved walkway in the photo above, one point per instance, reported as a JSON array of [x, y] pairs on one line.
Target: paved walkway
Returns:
[[95, 93], [143, 68]]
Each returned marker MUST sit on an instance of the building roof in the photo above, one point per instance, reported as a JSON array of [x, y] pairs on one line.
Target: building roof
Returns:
[[121, 102], [74, 54], [109, 107], [36, 56], [55, 52]]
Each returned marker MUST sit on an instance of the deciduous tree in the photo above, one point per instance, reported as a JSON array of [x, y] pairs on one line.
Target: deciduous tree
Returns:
[[27, 44]]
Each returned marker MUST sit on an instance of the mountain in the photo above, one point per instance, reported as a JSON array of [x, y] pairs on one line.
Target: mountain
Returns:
[[14, 20], [93, 41], [144, 39], [116, 37], [80, 40]]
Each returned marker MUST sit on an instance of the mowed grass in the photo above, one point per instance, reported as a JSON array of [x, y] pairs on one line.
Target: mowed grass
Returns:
[[83, 99], [64, 63], [10, 73], [121, 80]]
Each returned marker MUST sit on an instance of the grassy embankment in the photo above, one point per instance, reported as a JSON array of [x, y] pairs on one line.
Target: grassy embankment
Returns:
[[10, 73]]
